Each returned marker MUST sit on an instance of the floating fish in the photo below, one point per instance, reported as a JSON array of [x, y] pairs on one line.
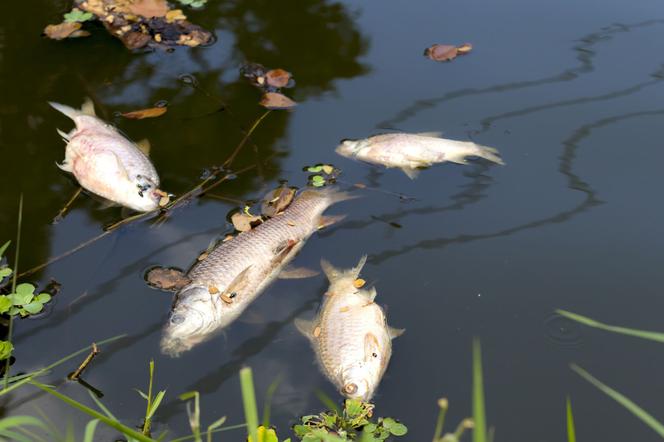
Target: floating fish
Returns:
[[350, 336], [106, 163], [412, 152], [235, 272]]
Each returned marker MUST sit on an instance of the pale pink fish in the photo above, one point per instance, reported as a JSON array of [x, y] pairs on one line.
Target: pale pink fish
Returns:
[[350, 336], [412, 152], [106, 163]]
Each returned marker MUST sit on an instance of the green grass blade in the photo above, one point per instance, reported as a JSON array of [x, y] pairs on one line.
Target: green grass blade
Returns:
[[14, 436], [571, 432], [90, 428], [249, 402], [327, 402], [267, 404], [101, 406], [155, 403], [218, 430], [94, 413], [653, 336], [214, 425], [19, 421], [3, 248], [10, 329], [637, 411], [479, 415]]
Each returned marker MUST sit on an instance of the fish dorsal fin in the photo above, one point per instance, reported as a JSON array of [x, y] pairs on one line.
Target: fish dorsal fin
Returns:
[[334, 274], [306, 327], [369, 294], [238, 284], [395, 332], [88, 107], [331, 272], [144, 146], [291, 272], [412, 172], [434, 134]]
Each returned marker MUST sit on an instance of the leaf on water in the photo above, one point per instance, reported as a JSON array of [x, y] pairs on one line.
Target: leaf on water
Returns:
[[152, 112], [317, 181], [328, 169], [440, 52], [76, 15], [202, 256], [6, 349], [276, 100], [243, 222], [43, 298], [314, 169], [33, 307], [359, 283], [4, 272], [61, 31], [25, 289], [276, 201], [278, 78], [145, 8], [175, 14], [5, 304], [213, 290], [170, 279]]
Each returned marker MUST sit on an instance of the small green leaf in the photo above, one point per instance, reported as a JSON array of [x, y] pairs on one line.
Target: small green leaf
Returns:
[[25, 289], [43, 297], [6, 349], [317, 181], [314, 169], [5, 303], [353, 408], [394, 427], [155, 404], [33, 307], [143, 395], [4, 272], [76, 15], [3, 248], [21, 298], [14, 311]]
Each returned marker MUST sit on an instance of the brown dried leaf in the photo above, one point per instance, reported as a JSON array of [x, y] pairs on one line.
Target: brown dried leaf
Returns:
[[359, 283], [145, 8], [465, 48], [277, 201], [145, 113], [61, 31], [227, 238], [244, 222], [213, 290], [134, 40], [360, 185], [278, 77], [328, 169], [317, 331], [166, 279], [202, 256], [275, 100], [439, 52]]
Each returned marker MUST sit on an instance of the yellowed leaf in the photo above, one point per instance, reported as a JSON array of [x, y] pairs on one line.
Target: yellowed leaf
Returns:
[[465, 48], [328, 169], [227, 299], [317, 331], [61, 31], [166, 279], [147, 8], [277, 77], [275, 100], [175, 14], [244, 222], [359, 283], [152, 112], [202, 256], [213, 290]]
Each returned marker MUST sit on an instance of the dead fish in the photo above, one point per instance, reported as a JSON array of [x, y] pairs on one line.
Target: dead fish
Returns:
[[106, 163], [350, 336], [235, 272], [411, 152]]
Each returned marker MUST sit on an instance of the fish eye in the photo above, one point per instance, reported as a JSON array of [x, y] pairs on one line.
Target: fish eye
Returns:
[[374, 354], [177, 319], [350, 388]]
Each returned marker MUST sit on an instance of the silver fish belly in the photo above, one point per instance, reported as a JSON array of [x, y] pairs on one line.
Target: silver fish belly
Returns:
[[412, 152], [236, 272], [106, 163], [350, 336]]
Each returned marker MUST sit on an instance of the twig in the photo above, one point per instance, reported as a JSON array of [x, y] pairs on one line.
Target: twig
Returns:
[[253, 127], [401, 196], [74, 376], [62, 211]]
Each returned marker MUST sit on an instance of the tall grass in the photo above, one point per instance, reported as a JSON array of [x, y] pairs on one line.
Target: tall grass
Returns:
[[643, 334], [249, 402], [571, 432], [479, 413]]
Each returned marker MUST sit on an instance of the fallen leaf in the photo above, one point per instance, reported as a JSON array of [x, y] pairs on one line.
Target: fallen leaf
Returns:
[[244, 222], [317, 331], [135, 40], [277, 201], [359, 283], [175, 14], [275, 100], [278, 78], [145, 8], [79, 33], [465, 48], [439, 52], [290, 223], [213, 290], [61, 31], [145, 113], [202, 256], [171, 279], [328, 169], [360, 185], [227, 238]]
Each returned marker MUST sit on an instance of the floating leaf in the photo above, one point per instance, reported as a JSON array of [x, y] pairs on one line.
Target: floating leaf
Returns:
[[4, 272], [5, 304], [277, 201], [314, 169], [275, 100], [278, 78], [25, 289], [152, 112], [359, 283], [171, 279], [243, 222], [76, 15], [317, 181], [175, 14], [62, 30], [43, 298], [147, 8], [328, 169], [33, 307], [439, 52], [394, 427], [6, 349]]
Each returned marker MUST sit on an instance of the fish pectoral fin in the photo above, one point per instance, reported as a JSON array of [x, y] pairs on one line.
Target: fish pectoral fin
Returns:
[[330, 271], [369, 295], [395, 332], [306, 327], [107, 204], [65, 166], [291, 272], [88, 107], [238, 283], [144, 146], [435, 134], [412, 172], [371, 347], [326, 221], [283, 251], [64, 135]]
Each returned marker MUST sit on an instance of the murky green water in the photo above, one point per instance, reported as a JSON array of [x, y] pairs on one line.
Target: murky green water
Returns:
[[570, 92]]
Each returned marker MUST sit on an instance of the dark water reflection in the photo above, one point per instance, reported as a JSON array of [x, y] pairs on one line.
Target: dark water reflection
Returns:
[[571, 93]]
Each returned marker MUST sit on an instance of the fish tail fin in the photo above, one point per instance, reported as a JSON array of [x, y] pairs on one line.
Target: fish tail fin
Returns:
[[334, 274], [88, 108], [489, 153]]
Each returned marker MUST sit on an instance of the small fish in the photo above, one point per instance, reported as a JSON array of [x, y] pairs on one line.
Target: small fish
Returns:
[[106, 163], [235, 272], [411, 152], [350, 336]]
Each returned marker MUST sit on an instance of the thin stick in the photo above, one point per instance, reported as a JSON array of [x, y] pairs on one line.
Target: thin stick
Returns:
[[77, 373], [16, 255], [401, 196], [62, 211], [246, 137]]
